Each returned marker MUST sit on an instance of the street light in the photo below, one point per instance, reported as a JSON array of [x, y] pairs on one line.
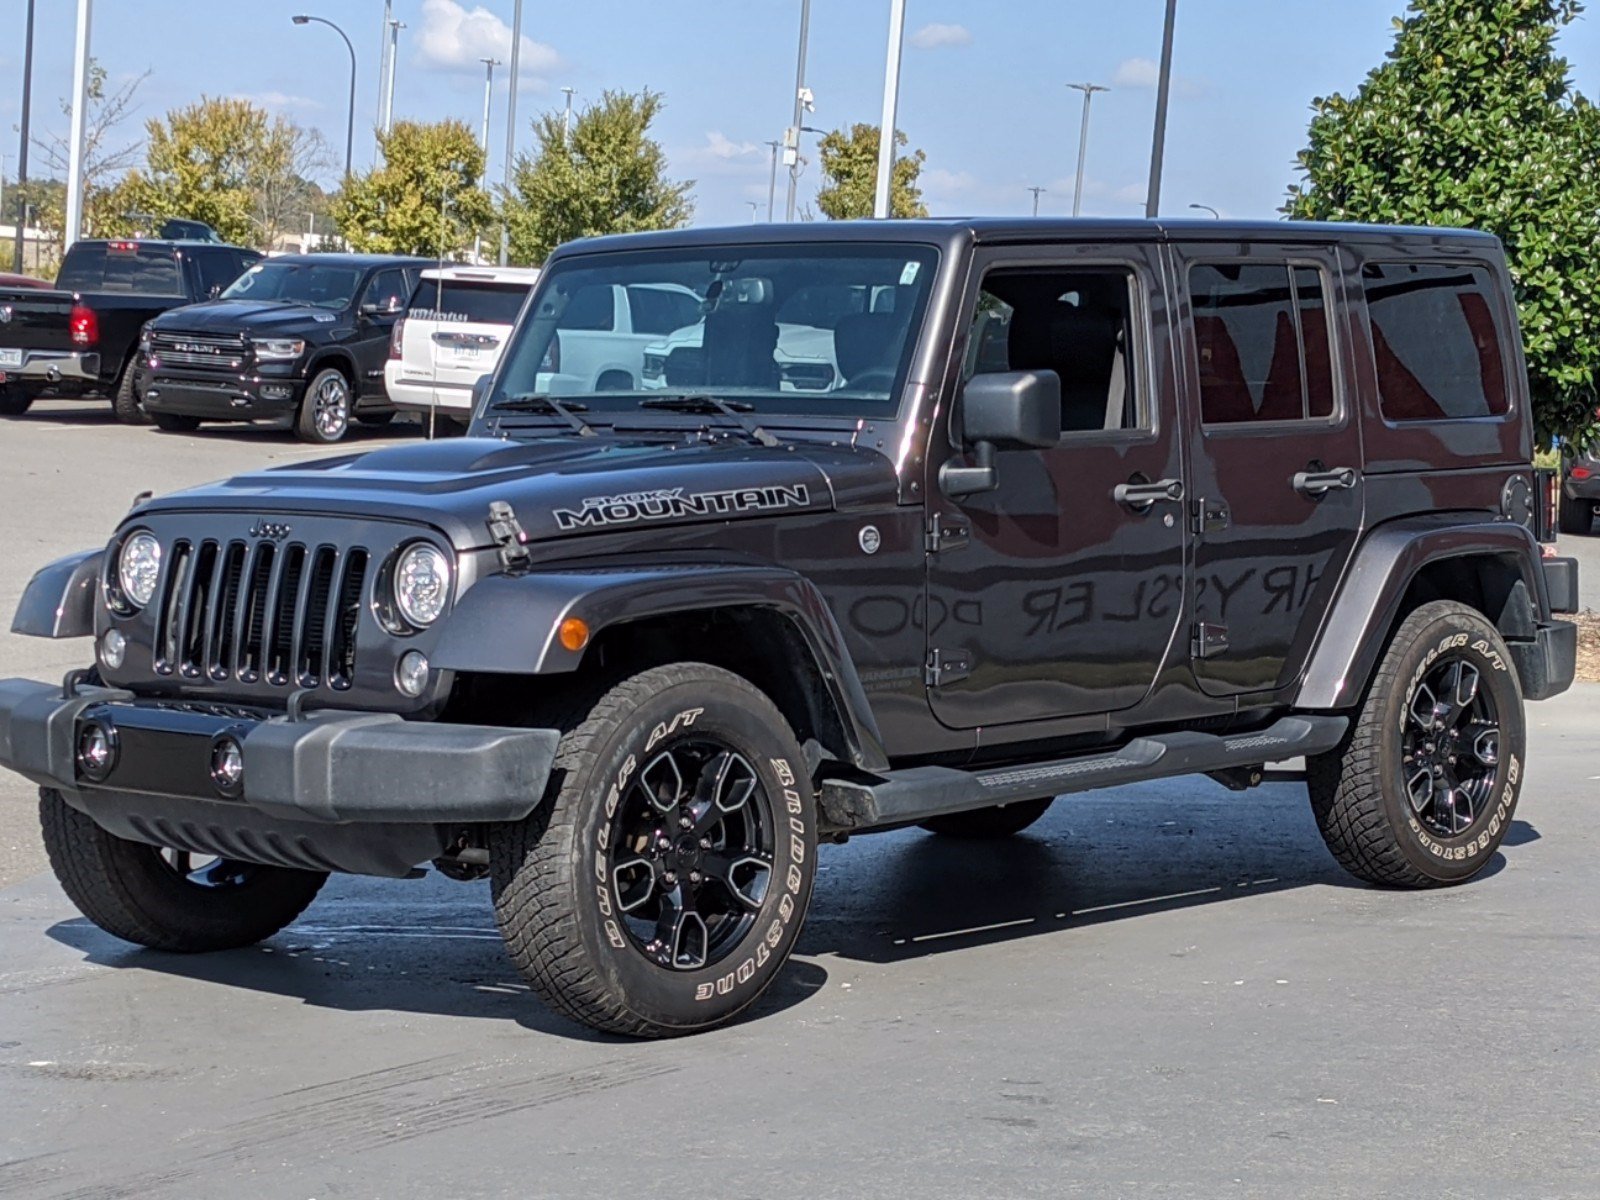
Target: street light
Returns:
[[388, 85], [566, 118], [772, 181], [511, 123], [22, 150], [891, 102], [350, 120], [802, 102], [755, 205], [1037, 192], [1088, 90], [1158, 143], [489, 64], [1209, 209]]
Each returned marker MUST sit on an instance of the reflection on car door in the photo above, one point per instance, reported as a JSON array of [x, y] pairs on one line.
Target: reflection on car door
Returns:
[[389, 289]]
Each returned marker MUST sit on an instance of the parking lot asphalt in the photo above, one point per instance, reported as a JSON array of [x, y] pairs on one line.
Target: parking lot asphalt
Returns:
[[1163, 991]]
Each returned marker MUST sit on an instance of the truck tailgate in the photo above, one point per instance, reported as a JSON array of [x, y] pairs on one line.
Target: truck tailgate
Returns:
[[35, 320]]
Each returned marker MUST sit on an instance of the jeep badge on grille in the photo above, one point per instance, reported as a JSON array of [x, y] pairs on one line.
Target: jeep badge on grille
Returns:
[[270, 530]]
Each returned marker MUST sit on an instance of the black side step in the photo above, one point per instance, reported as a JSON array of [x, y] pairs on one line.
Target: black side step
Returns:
[[918, 793]]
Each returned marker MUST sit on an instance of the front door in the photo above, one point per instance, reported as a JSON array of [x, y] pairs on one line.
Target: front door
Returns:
[[1058, 593], [1276, 490], [380, 305]]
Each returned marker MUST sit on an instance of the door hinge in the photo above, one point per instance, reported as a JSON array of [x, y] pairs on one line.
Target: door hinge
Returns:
[[944, 534], [1207, 640], [1208, 516], [946, 666]]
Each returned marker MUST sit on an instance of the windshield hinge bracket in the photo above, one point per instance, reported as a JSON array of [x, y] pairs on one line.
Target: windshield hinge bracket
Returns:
[[508, 535]]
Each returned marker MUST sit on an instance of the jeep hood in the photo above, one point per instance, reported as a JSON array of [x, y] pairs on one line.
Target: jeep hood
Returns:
[[560, 487]]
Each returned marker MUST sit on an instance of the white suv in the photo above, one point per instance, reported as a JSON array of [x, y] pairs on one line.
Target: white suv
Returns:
[[452, 333]]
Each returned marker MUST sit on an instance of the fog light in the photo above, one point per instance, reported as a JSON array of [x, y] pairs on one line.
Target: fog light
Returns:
[[113, 647], [411, 673], [227, 766], [97, 752], [276, 391]]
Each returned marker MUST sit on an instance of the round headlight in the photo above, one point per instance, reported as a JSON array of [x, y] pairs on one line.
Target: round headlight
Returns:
[[421, 584], [138, 567]]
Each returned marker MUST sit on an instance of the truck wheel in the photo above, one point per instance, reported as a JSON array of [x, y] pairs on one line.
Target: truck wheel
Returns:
[[14, 401], [175, 422], [126, 402], [662, 883], [157, 897], [1001, 821], [325, 412], [1576, 516], [1421, 791]]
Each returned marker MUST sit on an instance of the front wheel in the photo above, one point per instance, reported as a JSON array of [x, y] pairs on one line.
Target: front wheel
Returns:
[[1421, 791], [126, 403], [325, 412], [662, 884], [167, 899]]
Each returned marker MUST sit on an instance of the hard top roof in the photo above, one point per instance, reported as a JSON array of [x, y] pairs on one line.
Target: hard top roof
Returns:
[[353, 260]]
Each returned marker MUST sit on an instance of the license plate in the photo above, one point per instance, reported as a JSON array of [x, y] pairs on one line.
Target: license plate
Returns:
[[10, 356], [464, 353]]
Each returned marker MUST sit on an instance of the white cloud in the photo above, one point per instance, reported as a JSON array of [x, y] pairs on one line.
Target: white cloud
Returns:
[[719, 145], [1144, 73], [930, 37], [278, 100], [456, 38]]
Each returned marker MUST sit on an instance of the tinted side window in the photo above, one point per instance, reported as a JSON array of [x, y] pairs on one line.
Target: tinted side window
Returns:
[[83, 269], [141, 270], [661, 310], [1435, 341], [1261, 342], [387, 290], [468, 300], [1077, 323], [216, 269], [591, 307]]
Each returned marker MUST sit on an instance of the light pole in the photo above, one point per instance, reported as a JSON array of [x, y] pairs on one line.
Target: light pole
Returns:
[[566, 118], [22, 150], [350, 118], [489, 64], [80, 94], [802, 100], [1088, 90], [1152, 203], [388, 87], [755, 206], [1037, 192], [511, 124], [772, 180], [383, 63], [891, 103], [1209, 209]]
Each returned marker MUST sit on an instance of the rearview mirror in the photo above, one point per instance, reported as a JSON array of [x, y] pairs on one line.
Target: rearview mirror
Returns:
[[1002, 410]]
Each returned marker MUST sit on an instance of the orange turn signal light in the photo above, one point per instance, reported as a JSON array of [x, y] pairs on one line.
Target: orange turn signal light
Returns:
[[574, 633]]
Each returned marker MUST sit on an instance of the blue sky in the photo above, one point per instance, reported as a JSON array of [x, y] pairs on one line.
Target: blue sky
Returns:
[[983, 86]]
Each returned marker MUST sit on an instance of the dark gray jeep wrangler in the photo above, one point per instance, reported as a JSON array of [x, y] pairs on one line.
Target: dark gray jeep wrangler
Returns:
[[915, 523]]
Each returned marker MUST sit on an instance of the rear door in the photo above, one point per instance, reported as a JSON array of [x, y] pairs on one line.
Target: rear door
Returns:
[[1277, 493]]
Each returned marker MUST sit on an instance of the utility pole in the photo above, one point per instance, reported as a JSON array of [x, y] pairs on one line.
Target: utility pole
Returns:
[[511, 124], [22, 151], [1152, 203], [566, 119], [80, 96], [891, 103], [1037, 192], [1088, 90], [802, 101], [772, 179], [383, 62], [388, 88]]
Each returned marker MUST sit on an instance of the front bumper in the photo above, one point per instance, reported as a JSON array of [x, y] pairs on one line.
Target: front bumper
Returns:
[[221, 397], [307, 780]]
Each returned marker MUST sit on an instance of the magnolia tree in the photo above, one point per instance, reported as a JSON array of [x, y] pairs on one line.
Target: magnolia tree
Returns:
[[1472, 121]]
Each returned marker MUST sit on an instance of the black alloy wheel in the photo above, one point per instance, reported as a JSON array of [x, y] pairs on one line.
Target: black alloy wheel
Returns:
[[1450, 747]]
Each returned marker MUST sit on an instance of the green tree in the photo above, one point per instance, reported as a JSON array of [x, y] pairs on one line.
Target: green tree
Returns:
[[226, 162], [1472, 121], [850, 166], [609, 177], [424, 199]]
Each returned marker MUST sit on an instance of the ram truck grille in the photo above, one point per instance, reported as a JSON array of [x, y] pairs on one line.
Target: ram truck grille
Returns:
[[198, 351]]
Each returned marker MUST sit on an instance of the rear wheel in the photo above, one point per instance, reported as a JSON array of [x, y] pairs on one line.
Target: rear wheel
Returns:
[[660, 886], [325, 412], [1001, 821], [1421, 791], [1576, 516], [126, 403], [13, 400], [175, 422], [168, 899]]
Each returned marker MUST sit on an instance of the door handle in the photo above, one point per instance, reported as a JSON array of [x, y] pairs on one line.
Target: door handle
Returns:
[[1141, 495], [1319, 483]]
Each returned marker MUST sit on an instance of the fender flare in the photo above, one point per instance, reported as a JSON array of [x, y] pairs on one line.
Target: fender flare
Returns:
[[508, 624], [1384, 566], [335, 356], [59, 601]]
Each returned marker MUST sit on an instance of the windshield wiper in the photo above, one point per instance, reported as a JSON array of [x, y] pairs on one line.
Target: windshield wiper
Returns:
[[567, 410], [734, 410]]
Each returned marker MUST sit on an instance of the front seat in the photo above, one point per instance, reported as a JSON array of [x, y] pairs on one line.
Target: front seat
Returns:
[[865, 343], [1081, 345]]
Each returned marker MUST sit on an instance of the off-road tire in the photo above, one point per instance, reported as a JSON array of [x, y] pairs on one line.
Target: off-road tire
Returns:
[[1357, 789], [14, 401], [983, 824], [128, 890], [125, 402], [569, 937], [175, 422], [1576, 516]]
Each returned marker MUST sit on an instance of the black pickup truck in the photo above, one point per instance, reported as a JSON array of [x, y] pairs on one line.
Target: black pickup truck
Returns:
[[79, 340]]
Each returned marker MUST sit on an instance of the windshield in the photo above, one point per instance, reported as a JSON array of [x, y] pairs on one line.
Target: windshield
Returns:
[[823, 330], [325, 286]]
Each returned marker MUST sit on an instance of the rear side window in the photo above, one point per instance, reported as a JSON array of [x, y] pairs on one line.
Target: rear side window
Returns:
[[1435, 341], [591, 307], [123, 268], [662, 310], [217, 269], [466, 300], [1261, 342]]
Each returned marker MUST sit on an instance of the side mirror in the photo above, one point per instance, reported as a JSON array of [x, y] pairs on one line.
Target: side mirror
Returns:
[[1003, 410]]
